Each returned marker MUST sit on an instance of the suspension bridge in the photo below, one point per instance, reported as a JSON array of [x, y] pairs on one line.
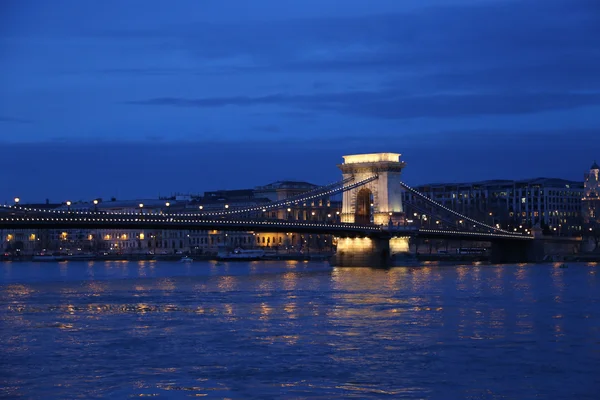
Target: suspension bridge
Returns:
[[372, 210]]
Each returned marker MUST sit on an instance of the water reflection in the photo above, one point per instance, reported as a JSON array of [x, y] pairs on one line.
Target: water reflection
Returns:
[[294, 330]]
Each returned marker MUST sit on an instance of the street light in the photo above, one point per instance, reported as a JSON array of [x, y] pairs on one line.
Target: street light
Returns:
[[226, 205], [17, 200], [68, 205], [95, 205], [201, 207], [141, 208]]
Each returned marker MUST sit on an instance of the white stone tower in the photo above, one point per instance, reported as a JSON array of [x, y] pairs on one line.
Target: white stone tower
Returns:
[[379, 201]]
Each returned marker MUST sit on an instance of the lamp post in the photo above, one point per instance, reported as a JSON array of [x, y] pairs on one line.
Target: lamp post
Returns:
[[17, 200], [68, 206], [141, 208], [95, 205], [289, 215], [167, 205]]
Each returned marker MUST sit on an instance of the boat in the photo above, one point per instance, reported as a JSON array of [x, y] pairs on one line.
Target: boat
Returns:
[[241, 255], [48, 257], [79, 257], [186, 259]]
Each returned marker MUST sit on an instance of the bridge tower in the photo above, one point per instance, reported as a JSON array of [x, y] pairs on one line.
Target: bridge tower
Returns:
[[379, 201]]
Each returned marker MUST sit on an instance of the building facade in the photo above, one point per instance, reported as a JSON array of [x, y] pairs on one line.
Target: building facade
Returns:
[[129, 241], [555, 204], [591, 197]]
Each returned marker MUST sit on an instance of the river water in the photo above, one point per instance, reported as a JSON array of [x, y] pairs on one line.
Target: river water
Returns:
[[287, 330]]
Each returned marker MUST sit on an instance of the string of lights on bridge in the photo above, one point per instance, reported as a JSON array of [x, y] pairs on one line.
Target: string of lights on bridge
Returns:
[[245, 223], [404, 185], [263, 208], [331, 189], [167, 219]]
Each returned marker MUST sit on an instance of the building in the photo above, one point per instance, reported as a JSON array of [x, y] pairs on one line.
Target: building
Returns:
[[553, 203], [591, 196], [126, 241]]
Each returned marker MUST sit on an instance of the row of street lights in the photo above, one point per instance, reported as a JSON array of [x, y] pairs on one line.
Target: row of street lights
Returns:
[[17, 200]]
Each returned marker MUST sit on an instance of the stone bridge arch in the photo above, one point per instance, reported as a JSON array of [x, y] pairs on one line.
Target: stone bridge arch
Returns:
[[362, 210], [385, 193]]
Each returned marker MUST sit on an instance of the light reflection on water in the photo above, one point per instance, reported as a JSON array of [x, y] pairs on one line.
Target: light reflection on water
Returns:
[[295, 330]]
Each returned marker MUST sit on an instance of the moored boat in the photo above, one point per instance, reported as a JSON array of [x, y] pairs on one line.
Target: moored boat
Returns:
[[241, 255], [47, 257]]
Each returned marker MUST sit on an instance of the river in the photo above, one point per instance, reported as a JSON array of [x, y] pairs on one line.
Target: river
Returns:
[[287, 330]]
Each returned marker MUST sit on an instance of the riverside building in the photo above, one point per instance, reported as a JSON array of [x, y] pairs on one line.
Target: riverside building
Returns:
[[157, 241], [591, 196], [553, 203]]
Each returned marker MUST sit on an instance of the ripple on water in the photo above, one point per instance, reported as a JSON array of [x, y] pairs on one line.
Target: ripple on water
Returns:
[[269, 330]]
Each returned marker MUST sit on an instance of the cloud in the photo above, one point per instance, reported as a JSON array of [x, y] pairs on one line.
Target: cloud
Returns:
[[15, 120], [396, 104], [209, 165], [481, 58], [268, 128]]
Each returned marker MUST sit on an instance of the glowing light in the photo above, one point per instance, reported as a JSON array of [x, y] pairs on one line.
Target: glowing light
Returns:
[[372, 158], [68, 203]]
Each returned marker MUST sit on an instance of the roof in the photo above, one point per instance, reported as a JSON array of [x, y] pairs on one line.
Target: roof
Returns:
[[287, 185], [595, 165], [548, 182]]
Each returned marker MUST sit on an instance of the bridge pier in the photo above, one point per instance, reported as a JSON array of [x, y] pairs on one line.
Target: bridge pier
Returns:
[[373, 252], [515, 252]]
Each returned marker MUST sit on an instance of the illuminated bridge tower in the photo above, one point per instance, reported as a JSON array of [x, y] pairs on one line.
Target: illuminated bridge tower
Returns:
[[378, 201]]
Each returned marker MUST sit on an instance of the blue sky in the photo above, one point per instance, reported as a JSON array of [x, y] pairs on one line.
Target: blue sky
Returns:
[[136, 98]]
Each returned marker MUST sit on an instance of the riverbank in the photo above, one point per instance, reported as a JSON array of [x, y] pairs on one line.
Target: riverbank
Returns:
[[160, 257]]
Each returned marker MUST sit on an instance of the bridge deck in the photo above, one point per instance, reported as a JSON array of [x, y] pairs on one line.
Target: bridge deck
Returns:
[[91, 220]]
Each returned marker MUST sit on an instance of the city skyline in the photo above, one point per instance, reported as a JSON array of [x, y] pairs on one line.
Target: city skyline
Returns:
[[139, 99]]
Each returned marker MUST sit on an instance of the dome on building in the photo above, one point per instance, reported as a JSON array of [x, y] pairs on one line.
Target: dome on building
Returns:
[[595, 165]]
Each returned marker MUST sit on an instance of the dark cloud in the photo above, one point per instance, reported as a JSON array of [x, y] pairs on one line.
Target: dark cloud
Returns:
[[15, 120], [209, 165], [479, 36], [492, 58], [396, 104], [268, 128]]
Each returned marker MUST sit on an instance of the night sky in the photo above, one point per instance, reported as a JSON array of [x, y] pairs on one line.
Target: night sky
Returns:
[[140, 98]]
